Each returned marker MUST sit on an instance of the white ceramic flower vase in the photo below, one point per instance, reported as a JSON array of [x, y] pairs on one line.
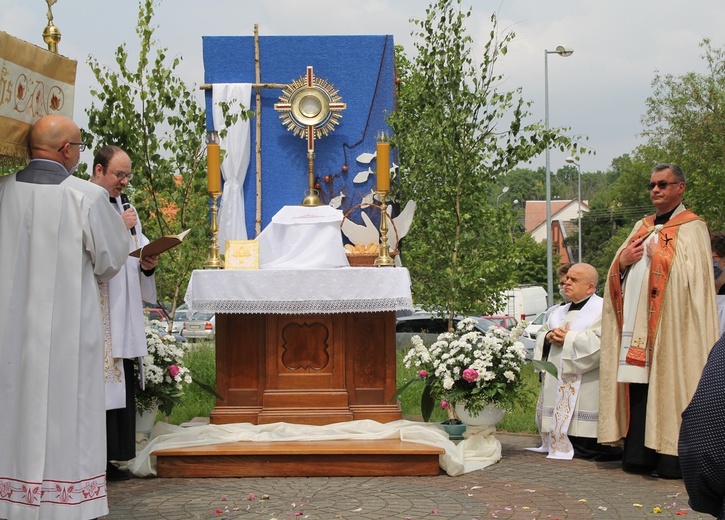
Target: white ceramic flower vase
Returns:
[[145, 421], [490, 416]]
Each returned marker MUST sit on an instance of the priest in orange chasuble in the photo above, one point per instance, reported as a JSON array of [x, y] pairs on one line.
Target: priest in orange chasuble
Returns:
[[659, 322]]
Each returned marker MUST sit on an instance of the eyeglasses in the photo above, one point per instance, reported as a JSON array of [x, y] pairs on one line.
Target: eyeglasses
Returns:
[[660, 184], [121, 175], [81, 147]]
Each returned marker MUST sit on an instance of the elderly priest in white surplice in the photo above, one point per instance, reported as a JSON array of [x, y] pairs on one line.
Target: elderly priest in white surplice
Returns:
[[570, 340]]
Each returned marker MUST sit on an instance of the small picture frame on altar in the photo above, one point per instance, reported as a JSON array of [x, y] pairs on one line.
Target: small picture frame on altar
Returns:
[[241, 254]]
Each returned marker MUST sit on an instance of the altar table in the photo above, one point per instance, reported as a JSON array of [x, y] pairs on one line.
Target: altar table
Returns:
[[308, 346]]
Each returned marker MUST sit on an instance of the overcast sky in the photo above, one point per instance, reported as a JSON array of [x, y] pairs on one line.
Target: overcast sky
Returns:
[[599, 91]]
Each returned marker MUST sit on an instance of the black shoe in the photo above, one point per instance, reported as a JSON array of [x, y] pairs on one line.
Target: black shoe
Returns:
[[637, 469], [658, 474], [116, 474]]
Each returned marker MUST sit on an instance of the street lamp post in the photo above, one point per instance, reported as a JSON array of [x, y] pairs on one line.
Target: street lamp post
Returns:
[[571, 160], [503, 191], [563, 51]]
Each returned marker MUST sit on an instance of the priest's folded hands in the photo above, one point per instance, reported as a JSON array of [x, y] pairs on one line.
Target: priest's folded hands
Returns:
[[556, 336]]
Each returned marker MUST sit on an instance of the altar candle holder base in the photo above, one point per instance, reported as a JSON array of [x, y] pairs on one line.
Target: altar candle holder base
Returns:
[[214, 261], [384, 259]]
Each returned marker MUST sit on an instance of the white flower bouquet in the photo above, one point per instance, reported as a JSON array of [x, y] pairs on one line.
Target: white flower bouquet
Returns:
[[165, 375], [469, 367]]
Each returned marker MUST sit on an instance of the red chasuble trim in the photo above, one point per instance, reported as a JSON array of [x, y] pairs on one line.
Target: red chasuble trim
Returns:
[[662, 258]]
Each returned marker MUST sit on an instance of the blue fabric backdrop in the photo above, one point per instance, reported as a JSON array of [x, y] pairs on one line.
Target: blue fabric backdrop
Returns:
[[360, 67]]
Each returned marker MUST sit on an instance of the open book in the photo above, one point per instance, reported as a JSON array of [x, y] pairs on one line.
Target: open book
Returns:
[[160, 245]]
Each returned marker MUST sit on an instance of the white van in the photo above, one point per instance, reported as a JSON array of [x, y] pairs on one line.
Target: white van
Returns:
[[525, 302]]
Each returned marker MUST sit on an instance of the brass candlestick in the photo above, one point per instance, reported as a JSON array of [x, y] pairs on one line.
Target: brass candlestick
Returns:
[[214, 261], [384, 258]]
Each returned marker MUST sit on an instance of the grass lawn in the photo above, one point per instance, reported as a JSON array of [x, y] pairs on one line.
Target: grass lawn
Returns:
[[198, 403]]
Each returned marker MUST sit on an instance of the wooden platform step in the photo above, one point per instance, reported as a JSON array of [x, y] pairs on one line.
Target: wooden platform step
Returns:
[[300, 459]]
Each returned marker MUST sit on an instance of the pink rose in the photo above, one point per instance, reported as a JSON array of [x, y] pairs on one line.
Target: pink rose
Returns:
[[173, 370], [470, 375], [444, 404], [423, 373]]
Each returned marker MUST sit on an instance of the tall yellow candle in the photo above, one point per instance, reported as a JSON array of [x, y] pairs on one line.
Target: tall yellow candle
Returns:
[[383, 156], [213, 172]]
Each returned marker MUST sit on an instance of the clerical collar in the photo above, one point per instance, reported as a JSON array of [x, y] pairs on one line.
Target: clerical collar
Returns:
[[665, 217], [577, 306]]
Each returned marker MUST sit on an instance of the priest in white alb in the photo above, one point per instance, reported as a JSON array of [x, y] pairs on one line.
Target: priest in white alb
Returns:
[[58, 236], [570, 340], [123, 321]]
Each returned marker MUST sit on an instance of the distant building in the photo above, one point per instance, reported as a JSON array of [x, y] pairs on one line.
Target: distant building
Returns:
[[564, 223]]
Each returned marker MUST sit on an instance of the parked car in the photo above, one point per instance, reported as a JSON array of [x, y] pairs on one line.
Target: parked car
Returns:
[[532, 329], [428, 326], [180, 316], [161, 329], [507, 322], [524, 302], [200, 325], [155, 314], [426, 322]]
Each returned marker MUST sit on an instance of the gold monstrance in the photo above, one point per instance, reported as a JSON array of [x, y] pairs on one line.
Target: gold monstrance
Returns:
[[310, 108]]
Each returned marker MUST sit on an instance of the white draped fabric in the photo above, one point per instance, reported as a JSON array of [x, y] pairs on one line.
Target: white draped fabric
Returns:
[[303, 237], [237, 145], [457, 459], [300, 291]]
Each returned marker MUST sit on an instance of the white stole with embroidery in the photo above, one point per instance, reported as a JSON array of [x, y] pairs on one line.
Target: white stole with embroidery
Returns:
[[567, 391]]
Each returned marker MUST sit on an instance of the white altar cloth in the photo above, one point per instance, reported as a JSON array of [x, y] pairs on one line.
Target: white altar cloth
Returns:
[[300, 291], [303, 237], [468, 455]]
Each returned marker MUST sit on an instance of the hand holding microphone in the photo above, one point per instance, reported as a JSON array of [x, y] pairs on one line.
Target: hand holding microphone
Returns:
[[129, 214]]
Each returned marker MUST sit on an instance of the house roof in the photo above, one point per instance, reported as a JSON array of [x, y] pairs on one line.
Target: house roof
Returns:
[[536, 212]]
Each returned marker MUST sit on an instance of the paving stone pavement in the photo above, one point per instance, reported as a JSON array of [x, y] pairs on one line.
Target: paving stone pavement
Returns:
[[523, 485]]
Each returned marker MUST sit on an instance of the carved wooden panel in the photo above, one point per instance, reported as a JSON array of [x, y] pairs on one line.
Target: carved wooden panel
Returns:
[[313, 369]]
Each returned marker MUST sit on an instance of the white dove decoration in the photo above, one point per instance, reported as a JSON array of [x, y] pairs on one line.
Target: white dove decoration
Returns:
[[402, 222], [361, 234], [367, 233]]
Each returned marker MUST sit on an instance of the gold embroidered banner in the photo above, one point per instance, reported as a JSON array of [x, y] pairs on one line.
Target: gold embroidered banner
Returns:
[[33, 82]]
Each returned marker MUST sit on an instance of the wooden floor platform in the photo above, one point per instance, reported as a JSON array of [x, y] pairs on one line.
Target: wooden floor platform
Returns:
[[300, 459]]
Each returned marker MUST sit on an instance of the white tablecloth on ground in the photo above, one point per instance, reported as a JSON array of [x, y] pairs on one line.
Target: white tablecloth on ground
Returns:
[[300, 291], [471, 454]]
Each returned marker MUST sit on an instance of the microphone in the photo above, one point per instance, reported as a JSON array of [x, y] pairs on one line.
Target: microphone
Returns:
[[125, 204]]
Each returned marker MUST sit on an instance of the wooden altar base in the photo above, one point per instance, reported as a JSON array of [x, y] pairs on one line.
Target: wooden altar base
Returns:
[[340, 458]]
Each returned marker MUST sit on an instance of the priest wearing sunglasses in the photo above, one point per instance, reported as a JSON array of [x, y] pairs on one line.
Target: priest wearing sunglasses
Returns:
[[659, 321]]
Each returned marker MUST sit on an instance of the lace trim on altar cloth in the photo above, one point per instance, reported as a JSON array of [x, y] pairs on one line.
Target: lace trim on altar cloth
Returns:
[[301, 307], [300, 291]]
